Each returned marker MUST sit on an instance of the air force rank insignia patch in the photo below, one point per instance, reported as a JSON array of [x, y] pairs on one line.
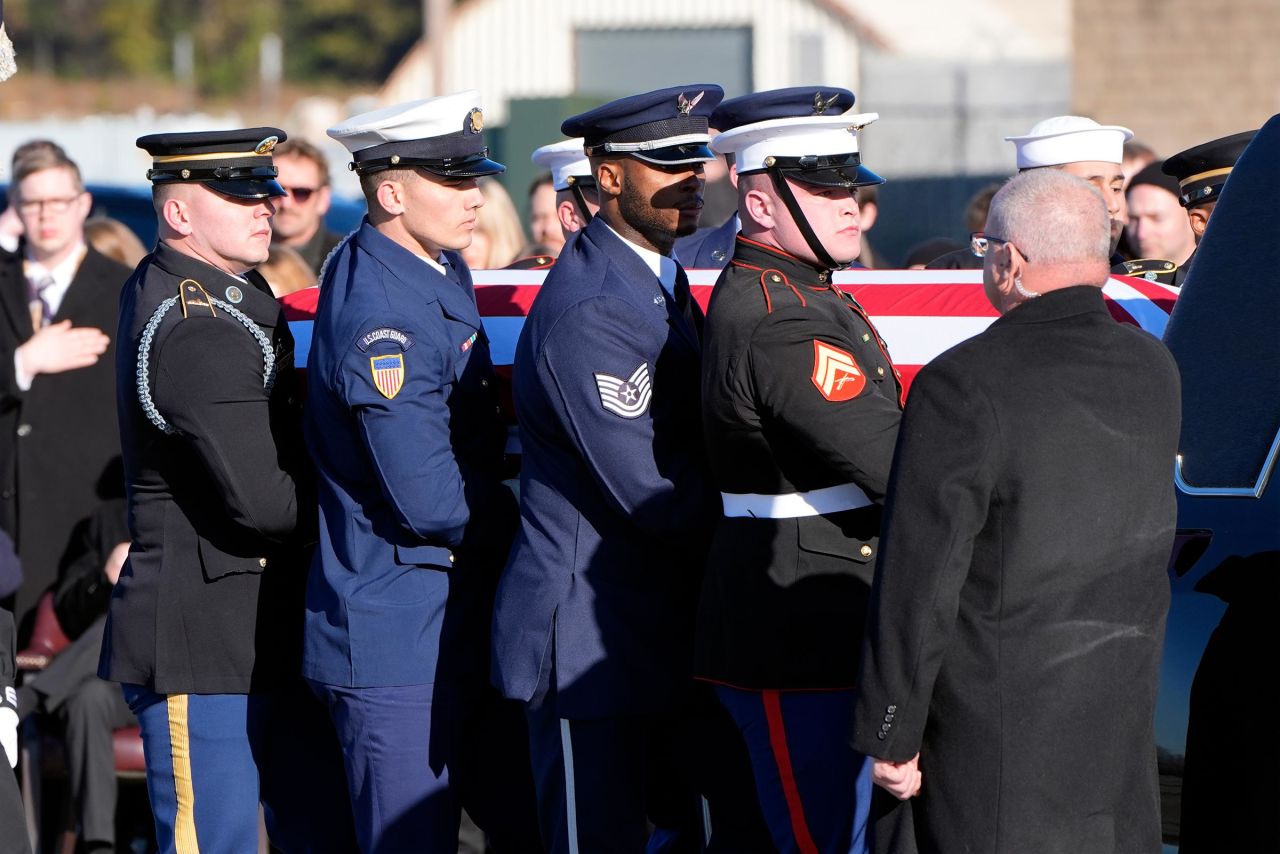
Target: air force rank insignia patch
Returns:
[[627, 398], [388, 374], [835, 373]]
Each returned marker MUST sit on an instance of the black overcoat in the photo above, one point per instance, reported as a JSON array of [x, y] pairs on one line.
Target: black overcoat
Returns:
[[60, 450], [1018, 609]]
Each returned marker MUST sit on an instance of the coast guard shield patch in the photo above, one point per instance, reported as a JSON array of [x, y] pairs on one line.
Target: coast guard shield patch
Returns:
[[627, 398], [835, 373], [388, 374]]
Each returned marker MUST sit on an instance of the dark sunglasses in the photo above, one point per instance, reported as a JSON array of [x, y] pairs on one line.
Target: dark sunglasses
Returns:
[[301, 195]]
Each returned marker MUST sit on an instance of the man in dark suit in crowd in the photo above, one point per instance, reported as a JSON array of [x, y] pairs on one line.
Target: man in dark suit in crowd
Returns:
[[1017, 616], [299, 219], [58, 299]]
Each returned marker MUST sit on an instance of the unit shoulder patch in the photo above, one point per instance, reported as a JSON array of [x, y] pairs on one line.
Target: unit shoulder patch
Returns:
[[388, 374], [626, 398], [836, 374], [384, 333]]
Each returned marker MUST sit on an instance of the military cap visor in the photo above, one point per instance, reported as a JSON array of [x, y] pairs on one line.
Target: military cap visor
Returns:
[[1202, 170], [234, 163], [666, 127], [818, 150]]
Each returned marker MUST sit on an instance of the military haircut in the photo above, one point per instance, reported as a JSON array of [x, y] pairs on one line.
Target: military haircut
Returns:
[[370, 181]]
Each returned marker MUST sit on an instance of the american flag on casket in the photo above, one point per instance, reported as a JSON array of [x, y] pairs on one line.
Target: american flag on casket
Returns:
[[920, 313]]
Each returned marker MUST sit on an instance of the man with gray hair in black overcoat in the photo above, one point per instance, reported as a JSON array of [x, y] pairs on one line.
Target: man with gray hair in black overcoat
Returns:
[[1012, 652]]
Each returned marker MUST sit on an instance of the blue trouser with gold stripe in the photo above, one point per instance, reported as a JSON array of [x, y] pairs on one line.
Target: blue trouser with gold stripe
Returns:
[[211, 758]]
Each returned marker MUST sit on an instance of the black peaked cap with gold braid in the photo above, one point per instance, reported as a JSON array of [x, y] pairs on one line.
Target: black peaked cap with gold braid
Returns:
[[235, 163]]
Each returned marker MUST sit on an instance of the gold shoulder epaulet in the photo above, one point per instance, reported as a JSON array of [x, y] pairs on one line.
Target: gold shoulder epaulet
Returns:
[[193, 295]]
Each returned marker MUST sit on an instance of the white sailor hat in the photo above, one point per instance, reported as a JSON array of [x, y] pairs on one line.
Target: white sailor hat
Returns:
[[818, 150], [444, 135], [1070, 139], [568, 163]]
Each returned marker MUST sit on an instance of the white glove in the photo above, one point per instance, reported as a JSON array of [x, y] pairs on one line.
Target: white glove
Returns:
[[9, 729]]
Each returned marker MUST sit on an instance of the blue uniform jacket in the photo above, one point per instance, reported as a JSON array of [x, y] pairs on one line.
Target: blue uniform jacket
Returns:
[[708, 248], [401, 420], [616, 503]]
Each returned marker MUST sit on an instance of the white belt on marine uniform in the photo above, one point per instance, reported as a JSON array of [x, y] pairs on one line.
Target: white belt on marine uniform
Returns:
[[816, 502]]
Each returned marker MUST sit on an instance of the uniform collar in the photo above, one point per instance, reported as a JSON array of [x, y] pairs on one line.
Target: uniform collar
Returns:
[[255, 298], [756, 256], [662, 266]]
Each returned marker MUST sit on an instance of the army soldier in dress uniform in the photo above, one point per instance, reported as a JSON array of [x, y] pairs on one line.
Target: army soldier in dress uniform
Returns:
[[594, 617], [710, 248], [800, 411], [204, 626], [415, 522], [1201, 172]]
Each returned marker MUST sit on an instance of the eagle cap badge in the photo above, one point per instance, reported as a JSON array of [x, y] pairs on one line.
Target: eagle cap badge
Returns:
[[685, 106], [475, 120]]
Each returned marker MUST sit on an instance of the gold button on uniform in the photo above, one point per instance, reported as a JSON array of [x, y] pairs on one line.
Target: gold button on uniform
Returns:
[[865, 551], [880, 371], [775, 277]]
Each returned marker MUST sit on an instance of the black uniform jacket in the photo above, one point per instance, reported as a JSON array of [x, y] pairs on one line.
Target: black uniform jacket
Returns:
[[210, 600], [1019, 604], [798, 394], [61, 448]]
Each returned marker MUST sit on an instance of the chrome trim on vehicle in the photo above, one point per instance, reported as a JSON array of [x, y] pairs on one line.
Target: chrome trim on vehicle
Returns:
[[1255, 491]]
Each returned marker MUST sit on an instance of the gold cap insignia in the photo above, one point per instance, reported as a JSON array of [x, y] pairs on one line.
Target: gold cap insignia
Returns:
[[685, 106], [266, 146], [186, 173], [475, 120]]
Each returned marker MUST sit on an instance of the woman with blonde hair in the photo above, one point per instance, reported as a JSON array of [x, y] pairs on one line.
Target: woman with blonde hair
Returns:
[[498, 237], [114, 239]]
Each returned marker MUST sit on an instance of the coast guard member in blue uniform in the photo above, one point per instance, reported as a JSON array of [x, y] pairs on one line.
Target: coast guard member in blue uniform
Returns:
[[594, 617], [711, 248], [205, 623], [573, 182], [415, 522], [801, 409]]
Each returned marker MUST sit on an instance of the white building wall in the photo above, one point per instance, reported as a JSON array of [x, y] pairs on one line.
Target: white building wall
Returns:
[[525, 48]]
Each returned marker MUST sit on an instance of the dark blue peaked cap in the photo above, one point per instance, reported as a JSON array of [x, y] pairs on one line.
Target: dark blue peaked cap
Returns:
[[666, 126], [791, 103]]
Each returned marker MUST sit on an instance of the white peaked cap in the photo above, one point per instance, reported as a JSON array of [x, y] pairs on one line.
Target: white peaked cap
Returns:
[[1070, 139], [802, 136], [565, 160], [412, 120]]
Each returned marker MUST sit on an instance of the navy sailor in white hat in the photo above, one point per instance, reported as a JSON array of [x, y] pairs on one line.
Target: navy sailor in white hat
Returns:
[[415, 521]]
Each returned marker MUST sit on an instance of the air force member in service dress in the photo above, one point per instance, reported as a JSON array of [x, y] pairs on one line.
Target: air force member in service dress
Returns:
[[1015, 629], [204, 626], [801, 405], [594, 617], [415, 520]]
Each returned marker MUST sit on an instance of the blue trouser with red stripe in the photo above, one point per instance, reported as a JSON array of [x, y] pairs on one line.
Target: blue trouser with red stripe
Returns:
[[814, 789]]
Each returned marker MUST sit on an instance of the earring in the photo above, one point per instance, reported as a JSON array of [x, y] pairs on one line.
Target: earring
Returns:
[[1017, 286]]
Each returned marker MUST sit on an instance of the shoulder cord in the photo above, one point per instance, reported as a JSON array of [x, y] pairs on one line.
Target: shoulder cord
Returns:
[[144, 356]]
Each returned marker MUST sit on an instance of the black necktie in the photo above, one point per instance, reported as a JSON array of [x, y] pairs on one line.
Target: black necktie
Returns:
[[684, 302]]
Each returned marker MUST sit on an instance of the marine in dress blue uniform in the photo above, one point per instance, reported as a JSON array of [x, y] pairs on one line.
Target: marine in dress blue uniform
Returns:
[[204, 625], [594, 616], [711, 248], [801, 408], [415, 521]]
